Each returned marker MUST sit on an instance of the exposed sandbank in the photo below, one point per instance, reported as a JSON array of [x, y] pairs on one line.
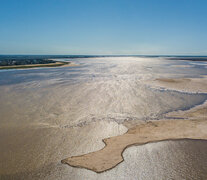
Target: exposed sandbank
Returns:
[[63, 112], [192, 126], [111, 154]]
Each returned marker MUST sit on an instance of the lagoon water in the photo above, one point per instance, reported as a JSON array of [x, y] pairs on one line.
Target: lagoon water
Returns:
[[48, 114]]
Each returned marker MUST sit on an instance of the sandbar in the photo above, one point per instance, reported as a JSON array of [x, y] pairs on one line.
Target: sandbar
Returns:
[[152, 131], [178, 125]]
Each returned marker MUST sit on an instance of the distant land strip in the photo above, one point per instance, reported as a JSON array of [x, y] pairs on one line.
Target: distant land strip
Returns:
[[55, 64]]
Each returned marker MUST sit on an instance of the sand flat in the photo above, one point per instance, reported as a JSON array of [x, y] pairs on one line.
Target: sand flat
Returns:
[[111, 154], [192, 126], [50, 114]]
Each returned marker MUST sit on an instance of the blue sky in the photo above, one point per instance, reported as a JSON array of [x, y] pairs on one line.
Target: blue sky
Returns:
[[144, 27]]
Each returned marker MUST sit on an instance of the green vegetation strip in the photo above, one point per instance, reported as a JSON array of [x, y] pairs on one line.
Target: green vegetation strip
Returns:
[[56, 64]]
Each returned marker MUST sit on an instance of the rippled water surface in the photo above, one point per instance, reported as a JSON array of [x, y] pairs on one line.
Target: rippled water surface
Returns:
[[48, 114]]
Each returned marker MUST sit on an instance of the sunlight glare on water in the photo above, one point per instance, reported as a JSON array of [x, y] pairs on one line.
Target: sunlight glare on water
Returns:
[[48, 114]]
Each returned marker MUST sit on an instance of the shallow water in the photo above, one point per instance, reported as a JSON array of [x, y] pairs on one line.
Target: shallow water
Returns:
[[48, 114]]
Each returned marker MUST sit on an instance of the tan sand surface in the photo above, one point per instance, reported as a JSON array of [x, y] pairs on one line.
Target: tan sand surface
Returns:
[[192, 126], [47, 116], [111, 154]]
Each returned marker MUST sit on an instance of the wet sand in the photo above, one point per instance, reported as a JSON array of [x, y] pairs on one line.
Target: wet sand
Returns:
[[197, 112], [111, 154], [35, 152], [49, 114], [182, 84], [196, 128]]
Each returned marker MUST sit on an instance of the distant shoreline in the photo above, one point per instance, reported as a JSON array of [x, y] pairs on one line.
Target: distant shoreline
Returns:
[[26, 66]]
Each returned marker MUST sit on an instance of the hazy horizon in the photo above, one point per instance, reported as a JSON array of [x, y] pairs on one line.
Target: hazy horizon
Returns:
[[39, 54]]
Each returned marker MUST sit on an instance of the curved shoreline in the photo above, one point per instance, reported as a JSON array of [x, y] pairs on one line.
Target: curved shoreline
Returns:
[[162, 130], [193, 125]]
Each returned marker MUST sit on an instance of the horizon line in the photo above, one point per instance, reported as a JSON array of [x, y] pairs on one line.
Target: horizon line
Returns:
[[101, 55]]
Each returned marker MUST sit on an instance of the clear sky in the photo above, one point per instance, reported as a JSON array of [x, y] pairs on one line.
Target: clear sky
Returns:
[[103, 27]]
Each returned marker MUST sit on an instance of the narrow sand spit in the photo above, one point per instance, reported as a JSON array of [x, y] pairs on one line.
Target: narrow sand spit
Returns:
[[50, 65], [111, 154]]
